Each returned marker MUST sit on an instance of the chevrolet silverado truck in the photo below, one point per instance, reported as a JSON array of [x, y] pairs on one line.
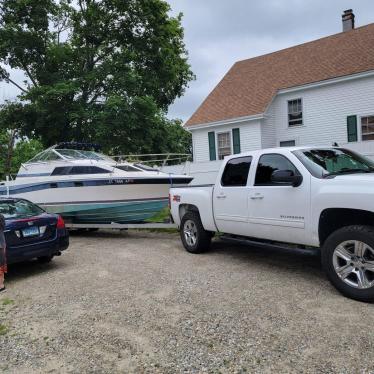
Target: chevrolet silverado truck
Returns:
[[306, 197]]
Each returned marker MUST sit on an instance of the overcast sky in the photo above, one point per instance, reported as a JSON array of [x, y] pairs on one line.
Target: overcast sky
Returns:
[[220, 32]]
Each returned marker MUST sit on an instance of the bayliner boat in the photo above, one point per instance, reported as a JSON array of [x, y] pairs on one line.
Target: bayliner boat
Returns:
[[85, 186]]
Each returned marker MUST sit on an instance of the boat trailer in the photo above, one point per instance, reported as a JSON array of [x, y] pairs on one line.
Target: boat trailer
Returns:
[[121, 226]]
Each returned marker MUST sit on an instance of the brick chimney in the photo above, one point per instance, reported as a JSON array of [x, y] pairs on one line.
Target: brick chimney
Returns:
[[348, 20]]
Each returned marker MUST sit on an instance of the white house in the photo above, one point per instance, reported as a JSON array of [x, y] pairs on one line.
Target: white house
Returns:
[[317, 93]]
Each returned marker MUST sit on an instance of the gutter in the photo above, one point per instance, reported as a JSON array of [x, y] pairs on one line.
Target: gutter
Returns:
[[326, 82], [228, 121]]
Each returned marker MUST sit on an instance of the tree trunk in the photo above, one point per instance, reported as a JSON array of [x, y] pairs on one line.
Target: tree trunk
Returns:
[[9, 156]]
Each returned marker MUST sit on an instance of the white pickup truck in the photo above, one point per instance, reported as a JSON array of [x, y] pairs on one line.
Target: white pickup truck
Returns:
[[309, 197]]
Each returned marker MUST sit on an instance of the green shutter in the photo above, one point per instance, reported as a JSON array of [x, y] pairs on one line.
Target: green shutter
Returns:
[[352, 128], [236, 140], [212, 145]]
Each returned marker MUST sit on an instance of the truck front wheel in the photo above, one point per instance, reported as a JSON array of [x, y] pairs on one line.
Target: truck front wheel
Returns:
[[194, 237], [348, 259]]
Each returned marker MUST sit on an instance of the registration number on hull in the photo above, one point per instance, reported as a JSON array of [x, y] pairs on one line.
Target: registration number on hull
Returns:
[[120, 181]]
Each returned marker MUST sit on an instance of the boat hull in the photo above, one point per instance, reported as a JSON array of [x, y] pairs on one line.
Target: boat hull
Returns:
[[109, 212], [101, 201]]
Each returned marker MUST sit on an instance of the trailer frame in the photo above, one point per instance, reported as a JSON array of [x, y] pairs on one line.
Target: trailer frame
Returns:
[[121, 226]]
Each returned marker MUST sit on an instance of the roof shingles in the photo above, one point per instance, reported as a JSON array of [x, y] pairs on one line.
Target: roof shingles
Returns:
[[249, 86]]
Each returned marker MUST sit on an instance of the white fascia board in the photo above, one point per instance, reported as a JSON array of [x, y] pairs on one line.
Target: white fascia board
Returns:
[[225, 122], [326, 82]]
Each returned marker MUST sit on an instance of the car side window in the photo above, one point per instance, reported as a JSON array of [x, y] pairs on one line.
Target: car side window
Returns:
[[270, 163], [236, 172]]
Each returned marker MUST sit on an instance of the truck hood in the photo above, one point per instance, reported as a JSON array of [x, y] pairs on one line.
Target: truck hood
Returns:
[[367, 177]]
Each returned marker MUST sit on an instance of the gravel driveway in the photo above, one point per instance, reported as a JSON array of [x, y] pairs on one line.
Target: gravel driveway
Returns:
[[137, 302]]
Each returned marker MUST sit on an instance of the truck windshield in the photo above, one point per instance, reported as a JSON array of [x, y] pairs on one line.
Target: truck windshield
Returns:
[[327, 162]]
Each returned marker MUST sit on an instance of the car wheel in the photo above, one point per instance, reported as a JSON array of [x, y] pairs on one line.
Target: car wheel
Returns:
[[194, 237], [45, 259], [348, 259]]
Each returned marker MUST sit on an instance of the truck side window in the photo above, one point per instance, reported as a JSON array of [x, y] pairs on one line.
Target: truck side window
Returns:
[[236, 172], [270, 163]]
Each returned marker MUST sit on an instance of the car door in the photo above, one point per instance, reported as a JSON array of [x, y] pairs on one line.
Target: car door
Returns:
[[278, 211], [230, 197]]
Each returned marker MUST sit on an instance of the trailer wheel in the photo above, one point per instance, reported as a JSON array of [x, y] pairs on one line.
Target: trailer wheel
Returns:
[[194, 237]]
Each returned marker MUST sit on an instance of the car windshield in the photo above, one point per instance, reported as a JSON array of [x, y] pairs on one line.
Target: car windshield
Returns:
[[13, 209], [334, 161]]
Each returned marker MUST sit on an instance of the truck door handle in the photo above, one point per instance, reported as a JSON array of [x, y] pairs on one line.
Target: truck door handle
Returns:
[[257, 197], [221, 196]]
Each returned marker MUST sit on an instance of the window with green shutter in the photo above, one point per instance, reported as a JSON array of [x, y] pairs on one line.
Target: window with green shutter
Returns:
[[352, 128], [212, 146], [236, 140]]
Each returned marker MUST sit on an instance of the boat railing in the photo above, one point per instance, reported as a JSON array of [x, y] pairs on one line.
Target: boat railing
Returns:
[[155, 159]]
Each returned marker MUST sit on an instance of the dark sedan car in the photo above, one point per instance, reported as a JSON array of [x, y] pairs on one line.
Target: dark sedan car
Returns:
[[30, 232]]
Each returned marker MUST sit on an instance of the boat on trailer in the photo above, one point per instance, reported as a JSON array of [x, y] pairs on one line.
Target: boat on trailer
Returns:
[[88, 187]]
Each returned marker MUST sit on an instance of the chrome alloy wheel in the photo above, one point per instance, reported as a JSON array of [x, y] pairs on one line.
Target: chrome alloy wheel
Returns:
[[190, 232], [353, 262]]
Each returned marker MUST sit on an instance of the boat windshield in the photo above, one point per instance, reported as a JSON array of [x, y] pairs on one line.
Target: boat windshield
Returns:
[[53, 154], [74, 154], [47, 155]]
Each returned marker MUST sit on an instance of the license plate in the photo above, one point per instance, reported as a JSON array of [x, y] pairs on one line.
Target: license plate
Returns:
[[30, 231]]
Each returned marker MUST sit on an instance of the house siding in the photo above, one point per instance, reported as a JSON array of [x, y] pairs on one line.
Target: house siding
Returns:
[[325, 111], [268, 130], [202, 172], [250, 138]]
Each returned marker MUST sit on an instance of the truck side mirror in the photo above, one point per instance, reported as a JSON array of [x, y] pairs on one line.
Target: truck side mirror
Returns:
[[286, 177]]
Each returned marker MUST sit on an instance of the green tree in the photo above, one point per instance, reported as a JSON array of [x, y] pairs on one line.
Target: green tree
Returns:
[[15, 148], [23, 150], [97, 70]]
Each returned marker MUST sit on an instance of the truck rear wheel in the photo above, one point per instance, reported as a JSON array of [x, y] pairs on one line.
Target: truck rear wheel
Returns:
[[194, 237], [348, 259]]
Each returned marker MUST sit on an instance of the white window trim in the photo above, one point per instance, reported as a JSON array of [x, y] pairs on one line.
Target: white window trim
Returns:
[[217, 147], [302, 112], [359, 125]]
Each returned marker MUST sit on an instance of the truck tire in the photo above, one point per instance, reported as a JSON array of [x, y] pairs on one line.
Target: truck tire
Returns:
[[348, 259], [194, 237]]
